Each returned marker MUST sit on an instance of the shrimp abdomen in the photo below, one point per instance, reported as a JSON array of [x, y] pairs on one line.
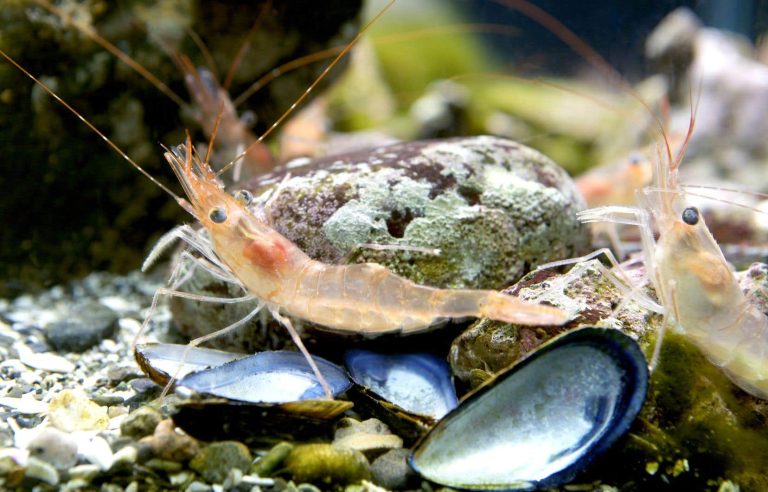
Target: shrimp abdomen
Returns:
[[369, 298]]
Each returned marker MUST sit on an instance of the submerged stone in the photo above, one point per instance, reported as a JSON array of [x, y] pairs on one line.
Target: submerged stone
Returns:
[[216, 460], [87, 324], [584, 292], [326, 464]]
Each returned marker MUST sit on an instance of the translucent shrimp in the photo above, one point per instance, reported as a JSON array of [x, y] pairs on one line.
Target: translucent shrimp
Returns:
[[361, 298], [696, 286]]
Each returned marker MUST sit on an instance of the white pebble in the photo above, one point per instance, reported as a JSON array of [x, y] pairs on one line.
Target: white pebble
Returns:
[[97, 451], [117, 304], [127, 455], [180, 478], [54, 447], [45, 361], [84, 472], [198, 487], [42, 471], [130, 325], [27, 406]]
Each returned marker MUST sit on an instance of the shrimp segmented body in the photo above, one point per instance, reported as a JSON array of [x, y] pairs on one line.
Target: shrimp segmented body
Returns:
[[362, 298], [697, 288]]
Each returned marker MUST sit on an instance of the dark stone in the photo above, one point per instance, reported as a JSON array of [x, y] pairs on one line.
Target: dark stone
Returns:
[[88, 324], [391, 470]]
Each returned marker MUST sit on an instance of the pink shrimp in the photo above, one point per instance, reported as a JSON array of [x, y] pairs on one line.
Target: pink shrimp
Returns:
[[361, 298]]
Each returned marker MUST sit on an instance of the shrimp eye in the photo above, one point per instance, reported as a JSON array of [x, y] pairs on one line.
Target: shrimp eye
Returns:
[[218, 215], [244, 197], [691, 216]]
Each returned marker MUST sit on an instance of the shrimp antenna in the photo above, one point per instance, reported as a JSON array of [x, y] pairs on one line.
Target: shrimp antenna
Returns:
[[309, 89], [122, 56], [245, 46], [215, 130], [98, 132], [573, 41], [379, 40]]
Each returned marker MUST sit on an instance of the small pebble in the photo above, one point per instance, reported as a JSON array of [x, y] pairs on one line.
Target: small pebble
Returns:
[[84, 472], [323, 463], [124, 458], [98, 452], [72, 410], [198, 487], [234, 477], [55, 447], [28, 406], [88, 324], [108, 400], [141, 422], [118, 374], [391, 470], [265, 465], [180, 478], [215, 461], [164, 465], [170, 443], [42, 471], [371, 437], [44, 361]]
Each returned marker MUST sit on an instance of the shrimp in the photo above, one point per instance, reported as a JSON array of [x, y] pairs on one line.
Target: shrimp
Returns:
[[698, 290], [696, 286], [361, 298]]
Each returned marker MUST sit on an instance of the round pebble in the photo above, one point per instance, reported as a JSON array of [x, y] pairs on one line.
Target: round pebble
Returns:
[[54, 447], [391, 470], [326, 464], [141, 422], [42, 471], [88, 324], [171, 444], [72, 410], [215, 461]]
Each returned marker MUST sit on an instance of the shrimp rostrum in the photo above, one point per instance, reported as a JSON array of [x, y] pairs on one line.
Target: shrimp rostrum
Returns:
[[698, 290]]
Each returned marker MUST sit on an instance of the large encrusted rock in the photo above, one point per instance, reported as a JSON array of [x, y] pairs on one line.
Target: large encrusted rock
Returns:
[[494, 208], [584, 292]]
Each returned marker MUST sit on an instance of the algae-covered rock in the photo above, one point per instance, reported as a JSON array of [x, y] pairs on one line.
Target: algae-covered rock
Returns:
[[584, 292], [326, 464], [216, 460], [266, 464], [141, 422], [494, 208], [72, 410]]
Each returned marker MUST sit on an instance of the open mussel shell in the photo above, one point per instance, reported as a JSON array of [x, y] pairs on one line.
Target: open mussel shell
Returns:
[[408, 391], [162, 361], [540, 422], [269, 395], [268, 377]]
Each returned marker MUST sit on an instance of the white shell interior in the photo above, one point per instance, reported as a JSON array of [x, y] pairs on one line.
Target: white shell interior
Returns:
[[530, 425]]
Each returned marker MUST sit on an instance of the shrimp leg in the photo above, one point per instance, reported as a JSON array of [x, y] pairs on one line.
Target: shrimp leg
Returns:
[[185, 295], [204, 338], [297, 340]]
